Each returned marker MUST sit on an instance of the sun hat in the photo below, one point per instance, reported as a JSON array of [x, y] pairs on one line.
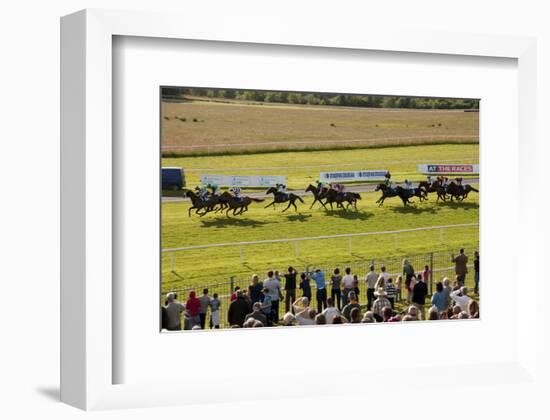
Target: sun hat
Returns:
[[380, 292]]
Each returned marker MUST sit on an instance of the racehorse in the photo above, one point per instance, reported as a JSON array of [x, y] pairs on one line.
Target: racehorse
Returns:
[[333, 196], [223, 201], [240, 205], [318, 194], [460, 192], [467, 190], [419, 192], [197, 203], [430, 188], [436, 187], [280, 197], [388, 192], [351, 198]]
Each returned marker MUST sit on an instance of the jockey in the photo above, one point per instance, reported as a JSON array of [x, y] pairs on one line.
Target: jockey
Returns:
[[320, 184], [213, 187], [340, 188], [445, 182], [408, 186], [387, 180], [459, 183], [281, 188], [203, 192], [430, 180], [237, 192]]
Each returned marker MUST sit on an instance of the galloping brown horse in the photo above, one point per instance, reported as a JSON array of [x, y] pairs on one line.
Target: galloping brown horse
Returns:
[[240, 205], [460, 192], [197, 203], [280, 197], [318, 194]]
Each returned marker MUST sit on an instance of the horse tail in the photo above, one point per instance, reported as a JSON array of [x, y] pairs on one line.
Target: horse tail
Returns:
[[473, 189], [257, 200]]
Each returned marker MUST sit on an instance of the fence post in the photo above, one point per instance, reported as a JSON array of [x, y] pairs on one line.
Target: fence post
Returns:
[[231, 286], [431, 272], [172, 262]]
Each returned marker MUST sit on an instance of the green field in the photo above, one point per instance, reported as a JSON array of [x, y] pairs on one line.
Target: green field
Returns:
[[302, 168], [195, 268]]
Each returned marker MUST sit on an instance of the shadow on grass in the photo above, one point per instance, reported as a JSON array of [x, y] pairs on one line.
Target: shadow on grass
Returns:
[[298, 217], [461, 204], [412, 209], [231, 222], [349, 214]]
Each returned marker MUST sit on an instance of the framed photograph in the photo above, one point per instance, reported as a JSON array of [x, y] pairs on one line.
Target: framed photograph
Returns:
[[228, 200], [299, 180]]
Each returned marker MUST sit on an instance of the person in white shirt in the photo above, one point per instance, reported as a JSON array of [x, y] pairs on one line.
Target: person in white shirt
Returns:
[[347, 283], [384, 274], [303, 313], [370, 279], [461, 298], [273, 286], [330, 311]]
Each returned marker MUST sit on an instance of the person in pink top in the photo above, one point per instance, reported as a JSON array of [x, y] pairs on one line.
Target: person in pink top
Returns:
[[193, 306], [426, 274]]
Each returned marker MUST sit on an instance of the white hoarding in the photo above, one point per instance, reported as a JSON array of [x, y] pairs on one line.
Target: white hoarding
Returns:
[[364, 175], [243, 180]]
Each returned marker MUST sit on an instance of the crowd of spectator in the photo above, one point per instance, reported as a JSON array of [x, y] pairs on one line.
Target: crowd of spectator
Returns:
[[258, 305]]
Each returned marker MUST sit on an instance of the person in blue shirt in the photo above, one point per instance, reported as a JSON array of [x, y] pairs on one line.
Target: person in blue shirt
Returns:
[[321, 294], [439, 298]]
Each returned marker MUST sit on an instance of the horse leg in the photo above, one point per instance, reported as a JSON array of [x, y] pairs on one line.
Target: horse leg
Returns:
[[190, 208], [314, 201], [270, 204], [287, 207]]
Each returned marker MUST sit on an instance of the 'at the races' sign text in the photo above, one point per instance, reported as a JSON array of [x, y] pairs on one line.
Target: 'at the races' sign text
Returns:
[[448, 169]]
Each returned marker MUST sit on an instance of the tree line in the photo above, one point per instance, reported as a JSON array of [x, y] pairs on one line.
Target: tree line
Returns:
[[333, 99]]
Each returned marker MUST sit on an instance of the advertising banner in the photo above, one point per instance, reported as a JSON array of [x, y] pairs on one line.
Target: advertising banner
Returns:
[[364, 175], [243, 180], [448, 169]]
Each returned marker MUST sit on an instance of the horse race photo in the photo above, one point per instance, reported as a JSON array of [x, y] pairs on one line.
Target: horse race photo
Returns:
[[298, 209]]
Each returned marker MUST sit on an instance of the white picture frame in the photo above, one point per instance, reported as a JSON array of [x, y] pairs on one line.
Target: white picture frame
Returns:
[[87, 171]]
